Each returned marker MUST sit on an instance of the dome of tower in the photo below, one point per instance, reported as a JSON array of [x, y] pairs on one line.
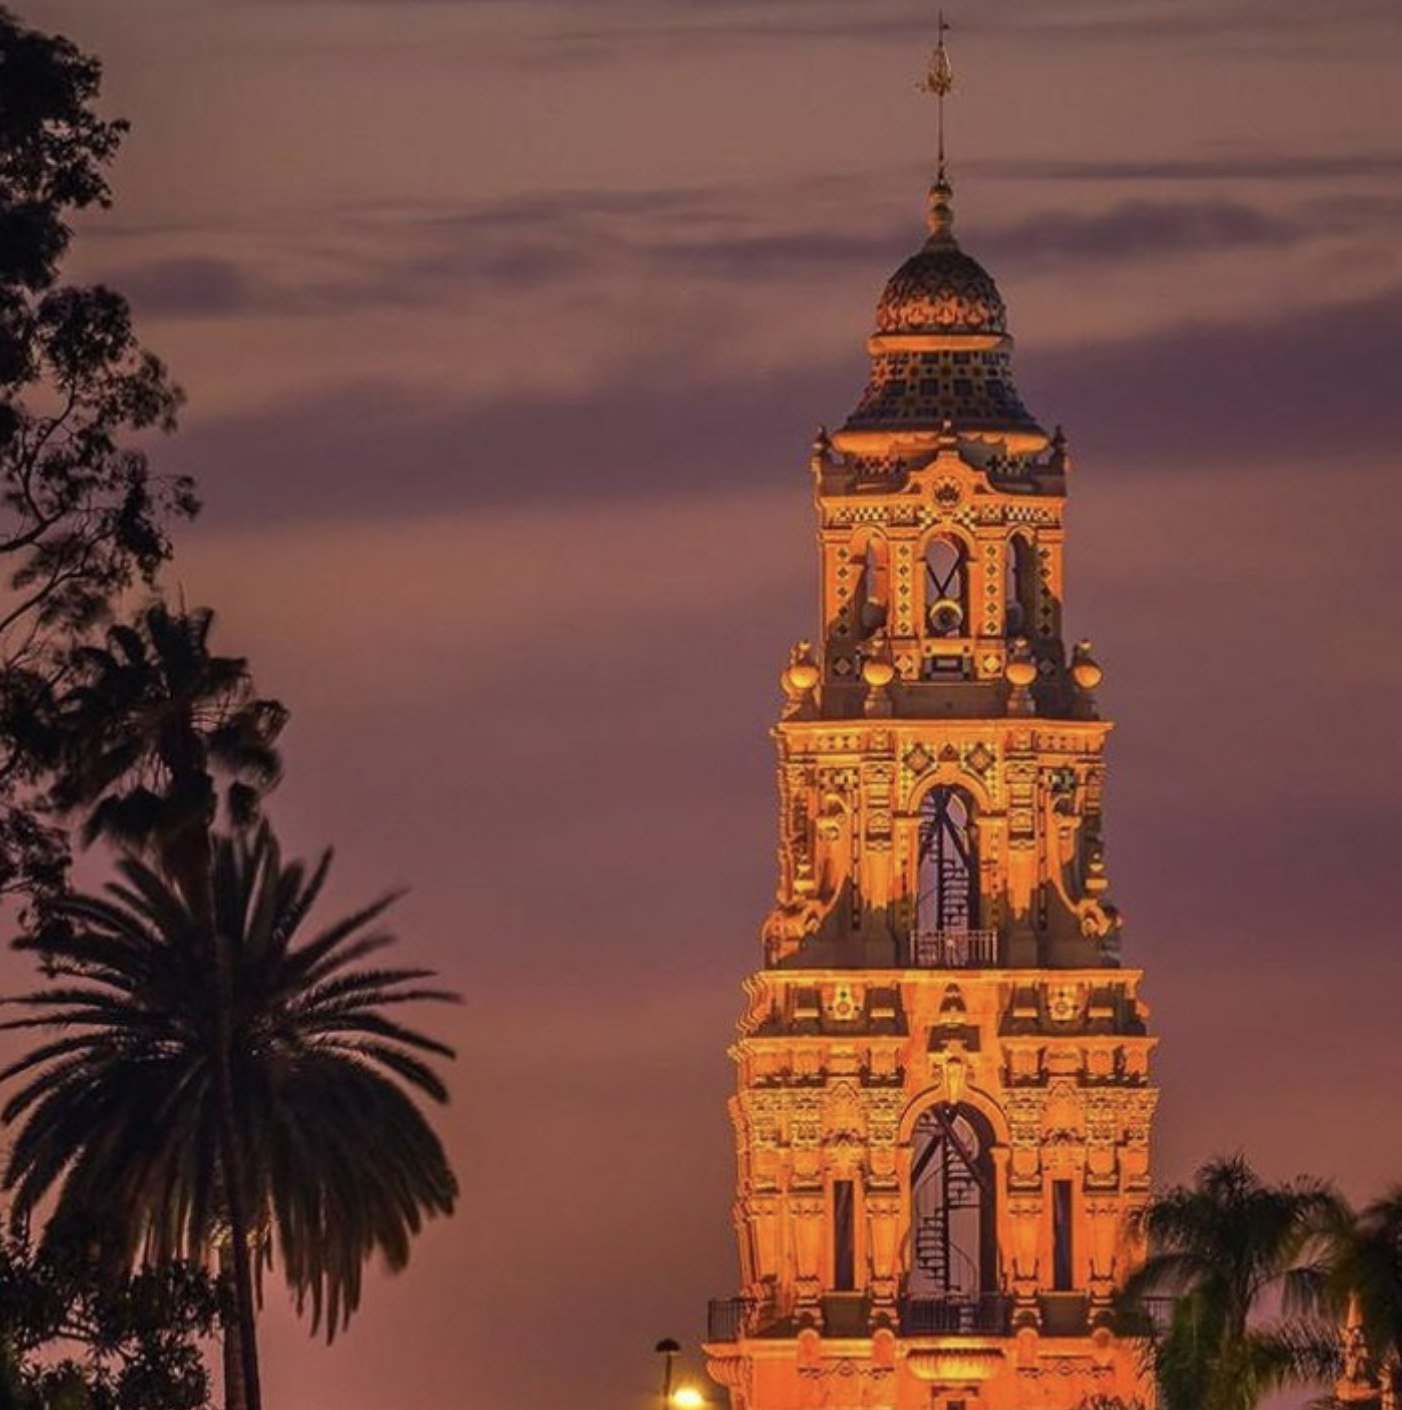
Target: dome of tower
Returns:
[[941, 290], [941, 353]]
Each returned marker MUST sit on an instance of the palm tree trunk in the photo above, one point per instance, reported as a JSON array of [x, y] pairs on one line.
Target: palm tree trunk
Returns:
[[240, 1231], [190, 858], [231, 1349]]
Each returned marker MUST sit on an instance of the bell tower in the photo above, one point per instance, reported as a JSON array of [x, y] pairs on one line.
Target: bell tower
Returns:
[[944, 1104]]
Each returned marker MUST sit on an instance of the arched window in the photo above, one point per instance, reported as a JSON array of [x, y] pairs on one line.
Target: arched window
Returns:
[[1020, 588], [946, 896], [946, 586], [953, 1277]]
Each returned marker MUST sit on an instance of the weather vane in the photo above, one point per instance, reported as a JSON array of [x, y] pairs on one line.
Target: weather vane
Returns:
[[939, 80]]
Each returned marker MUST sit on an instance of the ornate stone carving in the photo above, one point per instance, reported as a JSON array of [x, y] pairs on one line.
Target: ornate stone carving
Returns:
[[923, 1005]]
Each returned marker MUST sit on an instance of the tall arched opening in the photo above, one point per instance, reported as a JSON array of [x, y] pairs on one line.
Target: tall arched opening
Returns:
[[952, 1285]]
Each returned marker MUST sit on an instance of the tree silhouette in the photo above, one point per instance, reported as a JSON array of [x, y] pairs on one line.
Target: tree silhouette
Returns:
[[1224, 1250], [122, 1113], [75, 1335], [147, 735], [82, 517], [1366, 1286], [151, 728]]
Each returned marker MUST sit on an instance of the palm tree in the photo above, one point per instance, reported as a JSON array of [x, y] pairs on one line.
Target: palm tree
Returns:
[[1366, 1287], [150, 726], [121, 1116], [152, 720], [1229, 1250]]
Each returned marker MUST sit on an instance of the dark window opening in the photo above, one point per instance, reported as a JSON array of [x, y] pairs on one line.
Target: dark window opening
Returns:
[[1061, 1236], [844, 1271]]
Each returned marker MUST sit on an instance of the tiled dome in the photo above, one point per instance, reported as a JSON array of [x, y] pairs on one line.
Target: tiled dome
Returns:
[[941, 352], [941, 290]]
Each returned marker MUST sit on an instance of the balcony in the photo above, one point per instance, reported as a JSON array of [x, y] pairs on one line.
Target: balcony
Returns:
[[729, 1318], [954, 949], [732, 1319], [989, 1315]]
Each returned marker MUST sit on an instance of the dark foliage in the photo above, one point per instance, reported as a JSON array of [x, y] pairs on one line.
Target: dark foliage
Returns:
[[1366, 1288], [1226, 1254], [154, 731], [82, 517], [53, 149], [119, 1114], [75, 1335]]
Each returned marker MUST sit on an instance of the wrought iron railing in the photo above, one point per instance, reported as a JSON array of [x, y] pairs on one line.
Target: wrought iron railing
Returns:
[[954, 949], [729, 1318], [987, 1315]]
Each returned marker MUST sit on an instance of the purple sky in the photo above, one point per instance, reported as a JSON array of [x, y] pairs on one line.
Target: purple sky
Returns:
[[506, 327]]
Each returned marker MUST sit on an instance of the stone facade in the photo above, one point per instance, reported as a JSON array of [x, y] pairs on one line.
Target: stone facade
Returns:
[[944, 1103]]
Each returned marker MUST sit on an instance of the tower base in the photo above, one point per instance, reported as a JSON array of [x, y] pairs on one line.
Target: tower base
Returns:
[[886, 1371]]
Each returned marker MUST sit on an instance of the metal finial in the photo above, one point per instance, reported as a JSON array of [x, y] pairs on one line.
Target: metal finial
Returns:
[[939, 80]]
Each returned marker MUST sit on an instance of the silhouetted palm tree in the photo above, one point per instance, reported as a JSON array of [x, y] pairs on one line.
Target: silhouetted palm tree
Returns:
[[1228, 1253], [1366, 1283], [149, 729], [121, 1112], [150, 726]]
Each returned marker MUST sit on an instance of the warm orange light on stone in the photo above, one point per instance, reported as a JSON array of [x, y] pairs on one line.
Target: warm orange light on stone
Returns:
[[944, 1105]]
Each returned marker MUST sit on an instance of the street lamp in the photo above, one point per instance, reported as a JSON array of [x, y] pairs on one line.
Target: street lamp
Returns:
[[667, 1349]]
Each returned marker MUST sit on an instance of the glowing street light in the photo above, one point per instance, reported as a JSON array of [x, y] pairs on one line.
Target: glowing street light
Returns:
[[667, 1348]]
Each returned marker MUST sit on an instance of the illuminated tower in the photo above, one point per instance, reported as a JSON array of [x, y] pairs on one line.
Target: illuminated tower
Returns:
[[944, 1100]]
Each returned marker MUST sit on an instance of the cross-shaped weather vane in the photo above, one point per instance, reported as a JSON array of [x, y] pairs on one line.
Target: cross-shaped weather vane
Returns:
[[939, 80]]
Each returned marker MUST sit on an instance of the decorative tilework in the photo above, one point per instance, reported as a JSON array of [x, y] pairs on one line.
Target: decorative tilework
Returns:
[[941, 290], [928, 388]]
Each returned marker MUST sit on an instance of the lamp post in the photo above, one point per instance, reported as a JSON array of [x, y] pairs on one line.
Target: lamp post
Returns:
[[667, 1349]]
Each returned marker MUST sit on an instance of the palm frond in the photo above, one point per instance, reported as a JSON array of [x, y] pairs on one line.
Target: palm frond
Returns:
[[114, 1114]]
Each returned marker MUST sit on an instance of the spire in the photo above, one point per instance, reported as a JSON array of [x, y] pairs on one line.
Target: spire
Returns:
[[939, 80]]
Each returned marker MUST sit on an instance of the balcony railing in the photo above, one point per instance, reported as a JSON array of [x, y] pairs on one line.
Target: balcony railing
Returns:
[[988, 1315], [954, 949], [729, 1318]]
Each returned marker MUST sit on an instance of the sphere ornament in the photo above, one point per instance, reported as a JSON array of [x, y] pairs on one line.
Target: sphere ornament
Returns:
[[878, 672], [1086, 671], [799, 680], [1021, 671], [802, 673]]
